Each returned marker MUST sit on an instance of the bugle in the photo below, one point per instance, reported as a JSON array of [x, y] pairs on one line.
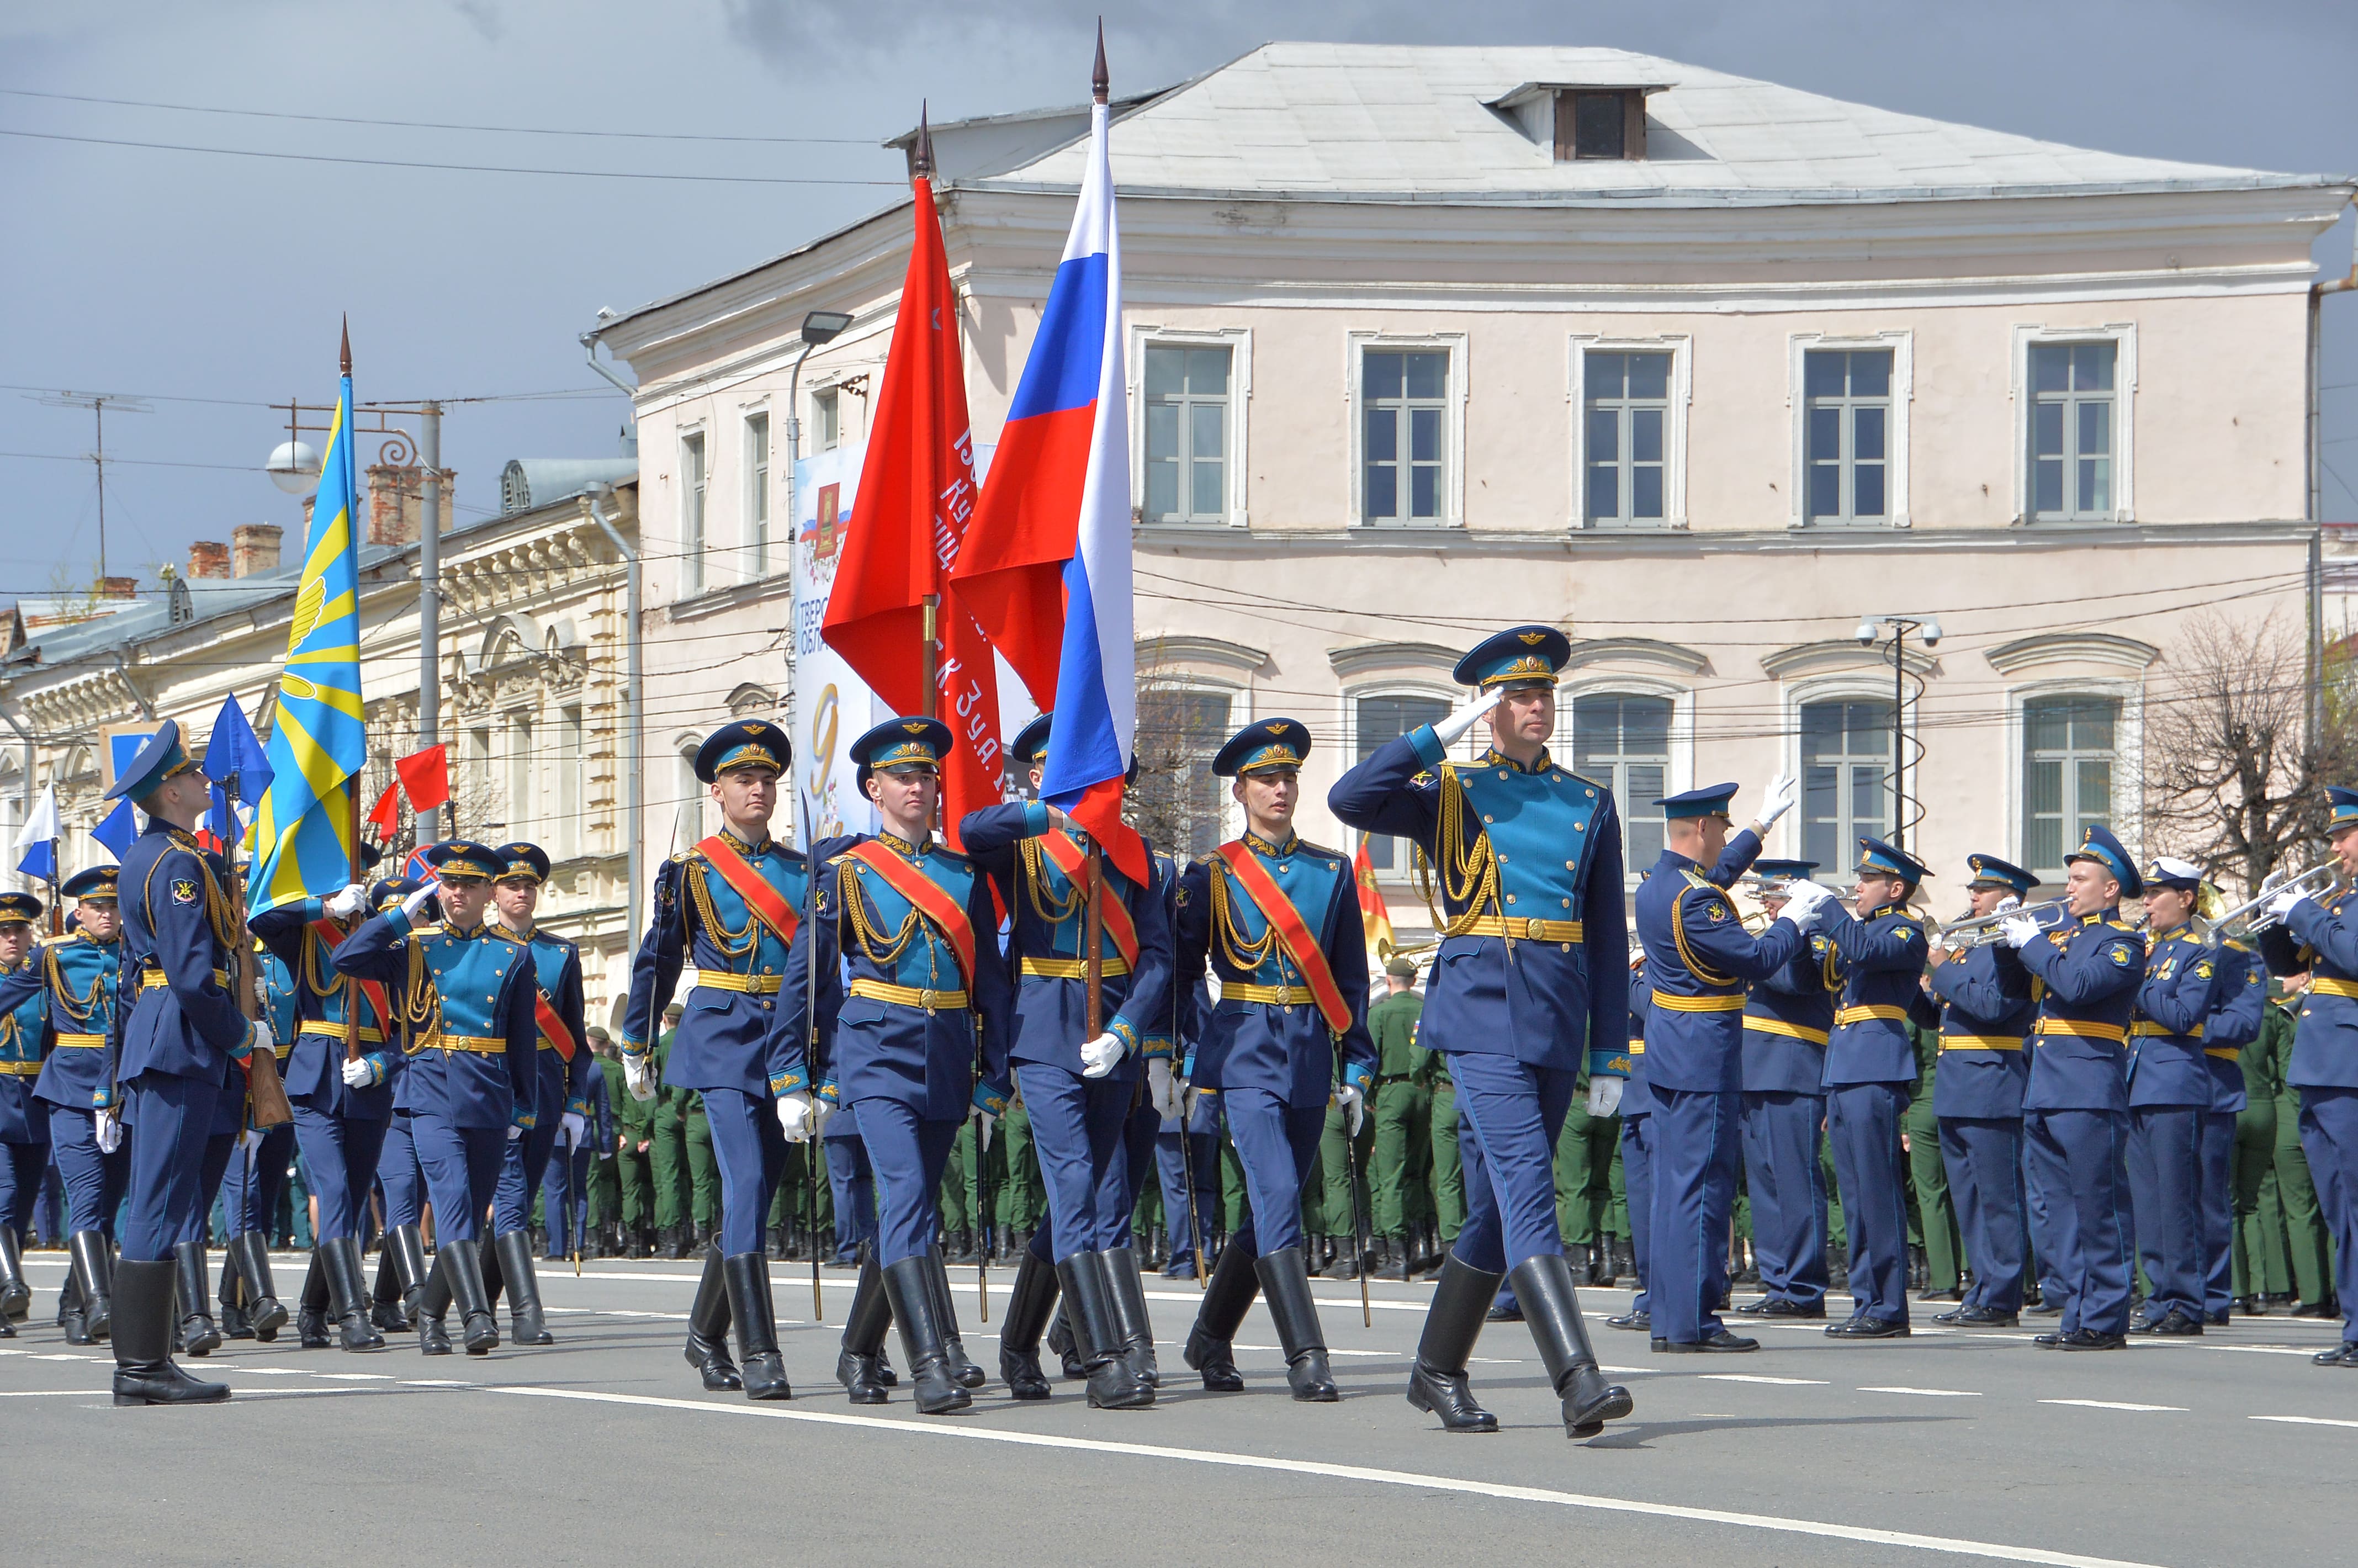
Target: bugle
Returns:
[[2314, 882], [1981, 930]]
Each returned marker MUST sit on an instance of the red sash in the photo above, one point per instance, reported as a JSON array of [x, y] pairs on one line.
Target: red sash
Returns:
[[1291, 930], [1073, 862], [330, 935], [932, 898], [766, 902], [550, 1025]]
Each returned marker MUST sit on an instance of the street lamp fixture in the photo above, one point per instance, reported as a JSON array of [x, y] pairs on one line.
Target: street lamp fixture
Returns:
[[294, 466], [824, 325]]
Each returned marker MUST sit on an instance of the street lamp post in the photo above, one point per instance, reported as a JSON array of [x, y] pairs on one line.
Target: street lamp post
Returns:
[[1873, 629]]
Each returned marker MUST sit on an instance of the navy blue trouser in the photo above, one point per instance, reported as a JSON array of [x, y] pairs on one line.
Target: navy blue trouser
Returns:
[[219, 1147], [258, 1175], [341, 1155], [1984, 1158], [2165, 1170], [908, 1154], [2074, 1163], [1076, 1126], [1789, 1194], [461, 1166], [852, 1181], [1277, 1144], [171, 1122], [1695, 1154], [1515, 1112], [1133, 1163], [1638, 1187], [523, 1164], [93, 1183], [1863, 1124], [749, 1148], [2329, 1138], [1176, 1153], [398, 1172], [2218, 1211], [22, 1166]]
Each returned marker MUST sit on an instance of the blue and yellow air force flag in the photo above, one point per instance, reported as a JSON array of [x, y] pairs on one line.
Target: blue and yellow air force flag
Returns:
[[303, 831]]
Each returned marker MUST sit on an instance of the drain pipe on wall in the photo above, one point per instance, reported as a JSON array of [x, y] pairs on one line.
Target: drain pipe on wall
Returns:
[[596, 504]]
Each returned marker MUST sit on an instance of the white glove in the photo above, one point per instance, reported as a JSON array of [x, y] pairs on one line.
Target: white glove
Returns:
[[823, 1110], [1806, 903], [982, 1138], [514, 1132], [358, 1072], [1099, 1056], [1782, 792], [347, 901], [1448, 731], [2019, 930], [417, 901], [638, 1075], [110, 1131], [1162, 1090], [1189, 1096], [1354, 1106], [573, 1126], [1605, 1096], [795, 1116], [263, 1040], [2283, 903]]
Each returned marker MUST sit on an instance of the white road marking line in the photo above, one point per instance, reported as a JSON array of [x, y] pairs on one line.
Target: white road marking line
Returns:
[[2307, 1419], [265, 1371], [1757, 1377], [1930, 1393], [1626, 1371], [435, 1383], [69, 1358], [359, 1377], [2112, 1405], [54, 1393], [925, 1428]]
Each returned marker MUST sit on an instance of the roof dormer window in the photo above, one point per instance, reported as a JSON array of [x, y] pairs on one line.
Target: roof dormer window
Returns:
[[1600, 123]]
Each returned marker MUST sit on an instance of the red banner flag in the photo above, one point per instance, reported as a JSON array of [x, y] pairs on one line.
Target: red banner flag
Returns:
[[385, 817], [916, 493], [425, 777]]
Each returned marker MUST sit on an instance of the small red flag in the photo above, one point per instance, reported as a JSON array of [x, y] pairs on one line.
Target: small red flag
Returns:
[[425, 777], [387, 816]]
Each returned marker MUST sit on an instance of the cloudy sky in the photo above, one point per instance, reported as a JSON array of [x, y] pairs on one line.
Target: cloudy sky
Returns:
[[670, 144]]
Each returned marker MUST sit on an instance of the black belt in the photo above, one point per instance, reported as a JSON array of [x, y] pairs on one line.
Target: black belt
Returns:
[[1383, 1079]]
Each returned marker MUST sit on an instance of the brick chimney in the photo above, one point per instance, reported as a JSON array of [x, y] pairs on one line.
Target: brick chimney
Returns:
[[254, 548], [118, 587], [208, 559], [396, 503]]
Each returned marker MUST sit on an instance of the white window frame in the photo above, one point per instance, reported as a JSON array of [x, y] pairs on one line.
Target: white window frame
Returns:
[[694, 513], [832, 391], [1865, 684], [1356, 345], [756, 486], [1238, 340], [1680, 346], [1901, 342], [2122, 335], [1446, 691], [2129, 751], [571, 763], [1682, 730]]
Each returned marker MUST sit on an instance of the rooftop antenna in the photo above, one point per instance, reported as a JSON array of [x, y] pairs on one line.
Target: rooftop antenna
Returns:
[[98, 403]]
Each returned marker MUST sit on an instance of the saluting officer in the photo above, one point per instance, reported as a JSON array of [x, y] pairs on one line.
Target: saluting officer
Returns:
[[1987, 1014], [2170, 1097], [173, 1040], [559, 1105], [462, 995], [24, 1124], [1529, 990], [1787, 1017], [725, 914], [2075, 1109], [2321, 937], [1078, 1092], [1870, 1070], [916, 1040]]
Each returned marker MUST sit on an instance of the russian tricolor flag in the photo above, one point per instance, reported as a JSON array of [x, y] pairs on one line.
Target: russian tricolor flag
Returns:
[[1045, 565]]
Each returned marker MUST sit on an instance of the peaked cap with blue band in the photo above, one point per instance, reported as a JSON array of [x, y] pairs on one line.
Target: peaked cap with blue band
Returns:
[[1031, 742], [19, 909], [1989, 871], [523, 862], [162, 758], [2099, 845], [1782, 869], [98, 881], [1264, 744], [1875, 855], [2345, 803], [1711, 800], [1521, 655], [748, 744], [902, 744], [465, 858]]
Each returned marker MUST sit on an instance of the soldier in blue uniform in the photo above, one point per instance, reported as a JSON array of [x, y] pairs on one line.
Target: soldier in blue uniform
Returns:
[[1987, 1014], [24, 1127], [2170, 1092], [176, 1033], [461, 994], [2321, 937], [1871, 1072], [74, 977], [2076, 1107], [2238, 1010], [725, 913], [1638, 1148], [915, 1041], [1527, 992], [1699, 958], [1079, 1091], [559, 1107], [1787, 1018], [398, 1175]]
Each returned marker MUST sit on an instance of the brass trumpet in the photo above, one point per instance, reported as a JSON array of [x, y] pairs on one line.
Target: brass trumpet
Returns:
[[2314, 882], [1983, 929]]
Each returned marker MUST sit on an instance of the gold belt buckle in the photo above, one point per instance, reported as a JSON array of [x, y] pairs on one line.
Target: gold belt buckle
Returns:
[[926, 1000]]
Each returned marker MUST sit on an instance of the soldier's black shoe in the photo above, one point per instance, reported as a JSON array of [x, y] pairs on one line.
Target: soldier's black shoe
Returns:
[[2141, 1320], [756, 1316], [1634, 1320], [2315, 1309], [1755, 1309], [1228, 1296], [1551, 1305], [2042, 1308], [707, 1329], [2047, 1341], [250, 1250], [1285, 1287], [1505, 1308], [1030, 1302], [15, 1296], [2091, 1339], [527, 1315], [93, 1266], [70, 1321], [145, 1373], [1130, 1319], [197, 1330], [1979, 1317], [1436, 1379], [1624, 1260], [908, 1286], [1865, 1327], [353, 1328], [2340, 1356], [1113, 1382], [234, 1324], [1719, 1342], [858, 1376], [2175, 1323], [2220, 1319], [1794, 1312]]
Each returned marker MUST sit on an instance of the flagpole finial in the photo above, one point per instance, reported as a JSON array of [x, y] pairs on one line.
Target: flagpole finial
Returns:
[[1099, 82], [921, 164], [347, 352]]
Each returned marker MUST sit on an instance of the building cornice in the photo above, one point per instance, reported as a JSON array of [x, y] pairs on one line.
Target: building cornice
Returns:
[[1380, 658], [2072, 647], [1163, 651], [1636, 651], [1837, 654], [1695, 544]]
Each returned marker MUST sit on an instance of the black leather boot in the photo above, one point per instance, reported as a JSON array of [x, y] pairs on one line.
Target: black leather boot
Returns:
[[1391, 1258], [463, 1271], [1067, 1348], [433, 1305], [70, 1321], [408, 1245], [1130, 1315], [311, 1310], [15, 1296], [1551, 1306], [1436, 1379], [145, 1373], [756, 1316], [346, 1301], [385, 1298], [93, 1262], [1028, 1304], [1285, 1283], [1624, 1260], [962, 1367], [1226, 1298], [860, 1364], [234, 1324], [707, 1328], [524, 1310], [908, 1286], [198, 1332], [251, 1251], [1088, 1306]]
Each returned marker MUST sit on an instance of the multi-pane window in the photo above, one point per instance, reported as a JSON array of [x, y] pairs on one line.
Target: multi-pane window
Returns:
[[2067, 774], [1847, 404], [1381, 718], [475, 808], [520, 805], [690, 794], [1187, 433], [757, 494], [827, 420], [570, 762], [2071, 429], [1405, 406], [1624, 742], [1628, 411], [1845, 778], [691, 514]]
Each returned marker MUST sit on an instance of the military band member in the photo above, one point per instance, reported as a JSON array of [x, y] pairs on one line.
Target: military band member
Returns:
[[1787, 1018], [24, 1123], [1987, 1014], [559, 1106], [2238, 1011], [1870, 1070], [2076, 1107], [176, 1034], [1078, 1092], [462, 996], [2170, 1092], [1528, 990], [725, 914], [2321, 935]]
